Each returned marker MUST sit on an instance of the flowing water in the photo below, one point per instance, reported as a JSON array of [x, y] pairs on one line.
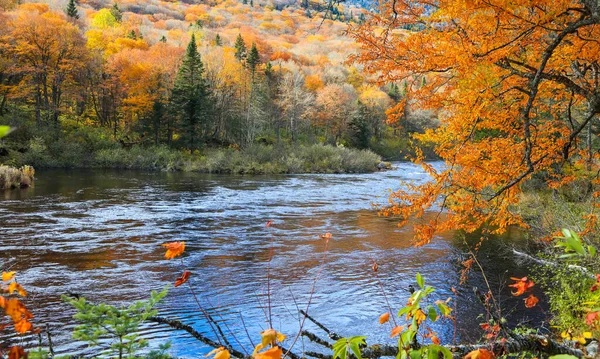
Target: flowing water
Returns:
[[98, 234]]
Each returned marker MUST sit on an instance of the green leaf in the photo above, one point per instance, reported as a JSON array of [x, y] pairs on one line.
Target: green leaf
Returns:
[[5, 130], [415, 354], [592, 251], [420, 280], [432, 314], [563, 356], [447, 353], [432, 352]]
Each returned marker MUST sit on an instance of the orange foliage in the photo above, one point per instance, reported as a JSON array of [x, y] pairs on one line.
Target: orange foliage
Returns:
[[174, 249], [505, 86], [521, 284], [384, 318]]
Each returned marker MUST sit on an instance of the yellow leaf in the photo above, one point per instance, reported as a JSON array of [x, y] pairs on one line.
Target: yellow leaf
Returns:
[[269, 336], [6, 276], [587, 335]]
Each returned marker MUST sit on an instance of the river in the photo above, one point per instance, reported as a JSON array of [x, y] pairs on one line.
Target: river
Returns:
[[98, 234]]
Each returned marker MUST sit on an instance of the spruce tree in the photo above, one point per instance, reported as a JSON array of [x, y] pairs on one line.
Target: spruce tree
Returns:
[[253, 59], [191, 97], [132, 35], [240, 48], [218, 41], [163, 39], [116, 12], [72, 10]]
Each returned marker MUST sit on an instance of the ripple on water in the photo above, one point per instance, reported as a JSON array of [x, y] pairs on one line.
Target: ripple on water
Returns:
[[98, 234]]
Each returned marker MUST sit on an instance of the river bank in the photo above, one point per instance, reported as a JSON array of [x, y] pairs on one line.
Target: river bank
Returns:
[[256, 159]]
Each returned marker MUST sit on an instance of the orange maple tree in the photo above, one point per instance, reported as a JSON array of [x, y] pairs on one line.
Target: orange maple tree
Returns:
[[514, 84]]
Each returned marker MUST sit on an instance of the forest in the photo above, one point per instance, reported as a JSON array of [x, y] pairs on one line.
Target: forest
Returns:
[[207, 178], [81, 81]]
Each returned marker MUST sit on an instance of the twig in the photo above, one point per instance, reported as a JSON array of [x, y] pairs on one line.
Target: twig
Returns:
[[176, 324], [331, 334], [314, 338]]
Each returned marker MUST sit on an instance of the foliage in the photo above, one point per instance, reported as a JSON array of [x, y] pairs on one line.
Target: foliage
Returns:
[[13, 310], [120, 325], [345, 347], [515, 101]]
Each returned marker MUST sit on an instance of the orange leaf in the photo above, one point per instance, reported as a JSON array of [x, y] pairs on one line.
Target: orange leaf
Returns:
[[326, 236], [522, 284], [6, 276], [531, 301], [269, 223], [174, 249], [16, 353], [375, 267], [480, 354], [273, 353], [384, 318], [397, 330], [435, 340], [14, 286], [22, 326], [219, 353], [184, 277]]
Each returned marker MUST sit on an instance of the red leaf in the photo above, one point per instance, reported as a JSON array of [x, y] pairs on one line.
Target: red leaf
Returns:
[[184, 277]]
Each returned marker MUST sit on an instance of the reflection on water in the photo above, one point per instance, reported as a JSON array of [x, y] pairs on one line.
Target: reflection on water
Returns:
[[98, 233]]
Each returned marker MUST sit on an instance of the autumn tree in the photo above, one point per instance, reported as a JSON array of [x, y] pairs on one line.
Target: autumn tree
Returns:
[[51, 51], [518, 85], [335, 106], [191, 95], [294, 101]]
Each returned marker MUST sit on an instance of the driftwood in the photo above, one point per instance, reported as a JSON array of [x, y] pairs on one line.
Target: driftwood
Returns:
[[516, 344], [547, 263]]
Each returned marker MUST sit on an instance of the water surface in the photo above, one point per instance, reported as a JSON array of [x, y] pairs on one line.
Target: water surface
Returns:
[[98, 234]]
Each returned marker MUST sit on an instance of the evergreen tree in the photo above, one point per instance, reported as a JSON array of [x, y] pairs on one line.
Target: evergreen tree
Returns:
[[362, 18], [132, 35], [253, 59], [245, 2], [116, 12], [240, 48], [359, 132], [251, 3], [72, 10], [163, 39], [218, 41], [191, 97]]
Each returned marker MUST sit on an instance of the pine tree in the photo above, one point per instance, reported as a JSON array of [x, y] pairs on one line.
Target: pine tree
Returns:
[[251, 3], [240, 48], [253, 59], [191, 97], [72, 10], [116, 12], [132, 35], [218, 41], [163, 39]]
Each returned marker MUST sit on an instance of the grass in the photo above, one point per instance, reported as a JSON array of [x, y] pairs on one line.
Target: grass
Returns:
[[256, 159], [11, 177]]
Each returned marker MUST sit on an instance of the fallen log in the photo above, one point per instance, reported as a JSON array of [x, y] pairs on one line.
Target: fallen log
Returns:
[[516, 344]]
